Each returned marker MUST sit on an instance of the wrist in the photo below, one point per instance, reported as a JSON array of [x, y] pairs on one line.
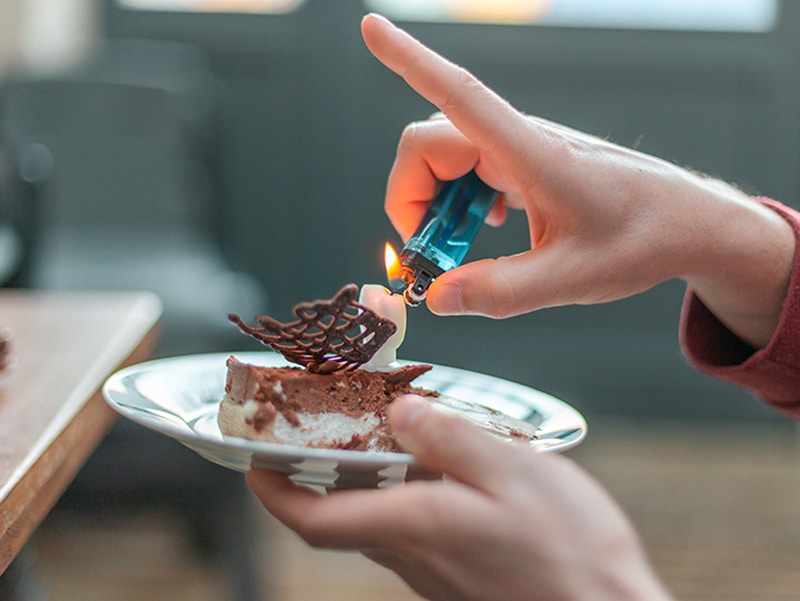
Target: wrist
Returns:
[[741, 266], [636, 582]]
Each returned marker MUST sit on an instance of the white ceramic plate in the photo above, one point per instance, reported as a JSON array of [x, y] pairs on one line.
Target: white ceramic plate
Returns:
[[179, 397]]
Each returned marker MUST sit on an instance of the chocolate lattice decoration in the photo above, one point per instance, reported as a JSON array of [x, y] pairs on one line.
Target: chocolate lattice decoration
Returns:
[[328, 336]]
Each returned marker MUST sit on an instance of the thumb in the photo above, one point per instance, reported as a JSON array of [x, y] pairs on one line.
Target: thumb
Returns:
[[449, 444], [502, 287]]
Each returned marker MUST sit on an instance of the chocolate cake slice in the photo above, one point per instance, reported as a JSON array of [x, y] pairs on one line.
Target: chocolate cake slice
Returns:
[[343, 409], [328, 402]]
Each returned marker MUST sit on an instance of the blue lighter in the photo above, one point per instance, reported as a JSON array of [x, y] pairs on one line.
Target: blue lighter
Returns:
[[444, 235]]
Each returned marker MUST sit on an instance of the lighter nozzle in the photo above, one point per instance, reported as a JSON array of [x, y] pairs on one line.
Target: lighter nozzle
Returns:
[[412, 300]]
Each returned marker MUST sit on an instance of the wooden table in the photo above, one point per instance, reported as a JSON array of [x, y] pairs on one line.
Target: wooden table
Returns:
[[52, 414], [716, 503]]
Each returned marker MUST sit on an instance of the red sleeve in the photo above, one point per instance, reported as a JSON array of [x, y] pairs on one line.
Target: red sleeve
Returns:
[[773, 373]]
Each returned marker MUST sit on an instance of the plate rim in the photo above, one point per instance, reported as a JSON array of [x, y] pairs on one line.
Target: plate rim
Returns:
[[282, 450]]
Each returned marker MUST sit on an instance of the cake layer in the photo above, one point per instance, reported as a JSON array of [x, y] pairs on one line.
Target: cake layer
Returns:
[[327, 430]]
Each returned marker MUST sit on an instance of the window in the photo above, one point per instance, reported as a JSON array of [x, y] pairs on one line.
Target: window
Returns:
[[215, 6], [697, 15]]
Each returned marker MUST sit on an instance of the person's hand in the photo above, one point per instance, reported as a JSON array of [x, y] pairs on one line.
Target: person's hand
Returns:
[[605, 222], [507, 523]]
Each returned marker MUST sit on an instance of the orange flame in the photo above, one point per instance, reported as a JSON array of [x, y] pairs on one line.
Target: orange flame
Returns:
[[392, 262]]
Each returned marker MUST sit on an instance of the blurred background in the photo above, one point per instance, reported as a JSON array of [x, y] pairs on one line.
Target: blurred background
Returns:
[[232, 157]]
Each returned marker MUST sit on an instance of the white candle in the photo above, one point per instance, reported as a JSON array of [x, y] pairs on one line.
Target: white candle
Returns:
[[391, 306]]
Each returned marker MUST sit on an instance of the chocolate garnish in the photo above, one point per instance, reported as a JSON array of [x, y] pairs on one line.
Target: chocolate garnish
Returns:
[[329, 335]]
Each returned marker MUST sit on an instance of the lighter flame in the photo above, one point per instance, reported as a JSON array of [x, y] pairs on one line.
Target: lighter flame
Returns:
[[392, 262]]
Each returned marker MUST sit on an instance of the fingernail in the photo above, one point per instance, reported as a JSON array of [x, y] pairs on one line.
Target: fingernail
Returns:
[[382, 19], [405, 411]]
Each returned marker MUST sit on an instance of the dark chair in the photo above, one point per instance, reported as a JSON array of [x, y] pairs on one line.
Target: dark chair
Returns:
[[135, 200], [26, 172]]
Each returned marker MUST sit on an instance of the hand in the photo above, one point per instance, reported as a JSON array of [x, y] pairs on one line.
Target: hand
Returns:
[[605, 222], [507, 523]]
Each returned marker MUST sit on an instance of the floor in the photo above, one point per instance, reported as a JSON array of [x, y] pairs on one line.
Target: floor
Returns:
[[718, 508]]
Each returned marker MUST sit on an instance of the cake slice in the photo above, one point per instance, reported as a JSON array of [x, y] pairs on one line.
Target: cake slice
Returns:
[[328, 402], [342, 410]]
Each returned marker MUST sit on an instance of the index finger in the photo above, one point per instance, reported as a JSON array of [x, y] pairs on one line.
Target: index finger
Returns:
[[347, 519], [490, 122]]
